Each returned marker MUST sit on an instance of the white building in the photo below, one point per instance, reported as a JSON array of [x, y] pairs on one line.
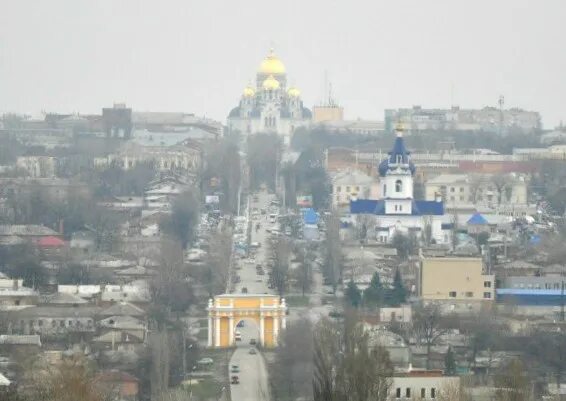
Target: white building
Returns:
[[461, 191], [397, 211], [352, 184], [424, 386], [38, 166], [270, 106]]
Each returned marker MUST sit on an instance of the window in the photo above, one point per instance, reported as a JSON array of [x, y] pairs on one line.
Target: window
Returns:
[[17, 302], [347, 189], [398, 392], [338, 188], [452, 189], [40, 322], [398, 186], [433, 393], [452, 294], [400, 208], [61, 323], [461, 198], [487, 295], [469, 294], [487, 284], [461, 189], [423, 392], [357, 189], [556, 286], [384, 189], [452, 198], [408, 392]]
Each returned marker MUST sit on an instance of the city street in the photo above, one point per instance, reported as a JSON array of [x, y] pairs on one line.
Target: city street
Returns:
[[253, 374]]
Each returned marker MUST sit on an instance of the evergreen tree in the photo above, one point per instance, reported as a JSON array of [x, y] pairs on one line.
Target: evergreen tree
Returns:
[[398, 294], [353, 294], [373, 295], [450, 363]]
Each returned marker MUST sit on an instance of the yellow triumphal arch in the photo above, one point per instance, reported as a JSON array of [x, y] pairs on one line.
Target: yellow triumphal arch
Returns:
[[226, 310]]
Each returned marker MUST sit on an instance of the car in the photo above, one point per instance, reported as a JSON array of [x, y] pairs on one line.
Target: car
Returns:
[[238, 336], [253, 341], [245, 290], [252, 351], [205, 361], [240, 324], [235, 380], [235, 369]]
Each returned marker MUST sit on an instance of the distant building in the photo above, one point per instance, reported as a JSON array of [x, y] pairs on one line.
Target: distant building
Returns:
[[456, 280], [489, 119], [38, 166], [460, 191], [270, 106], [330, 112], [350, 185]]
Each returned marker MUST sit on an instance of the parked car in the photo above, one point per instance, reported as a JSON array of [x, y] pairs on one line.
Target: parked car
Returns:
[[235, 380], [252, 341], [235, 369], [238, 336], [252, 351]]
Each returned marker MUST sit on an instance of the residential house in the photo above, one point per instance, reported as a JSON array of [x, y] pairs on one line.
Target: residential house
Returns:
[[29, 232], [352, 184], [13, 294], [38, 166]]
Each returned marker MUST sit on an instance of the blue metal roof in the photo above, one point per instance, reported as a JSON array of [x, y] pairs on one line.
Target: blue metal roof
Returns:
[[399, 149], [420, 207], [523, 296], [310, 216], [477, 219]]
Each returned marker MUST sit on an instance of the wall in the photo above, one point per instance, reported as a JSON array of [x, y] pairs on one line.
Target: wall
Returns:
[[417, 384], [457, 279]]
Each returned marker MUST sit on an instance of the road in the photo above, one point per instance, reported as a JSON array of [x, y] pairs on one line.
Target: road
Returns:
[[253, 370]]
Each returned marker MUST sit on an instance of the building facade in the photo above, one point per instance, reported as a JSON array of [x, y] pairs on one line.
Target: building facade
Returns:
[[352, 184], [270, 106], [481, 190], [455, 279], [489, 119]]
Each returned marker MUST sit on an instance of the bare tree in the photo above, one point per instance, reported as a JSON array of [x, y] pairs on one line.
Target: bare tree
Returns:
[[281, 251], [501, 183], [293, 366], [303, 274], [428, 327], [332, 268], [512, 382], [347, 367]]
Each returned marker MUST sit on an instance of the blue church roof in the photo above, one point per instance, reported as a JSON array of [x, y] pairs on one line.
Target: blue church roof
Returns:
[[377, 207], [477, 219], [398, 153]]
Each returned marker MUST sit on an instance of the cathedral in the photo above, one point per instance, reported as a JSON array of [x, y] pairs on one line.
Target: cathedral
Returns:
[[270, 106], [397, 211]]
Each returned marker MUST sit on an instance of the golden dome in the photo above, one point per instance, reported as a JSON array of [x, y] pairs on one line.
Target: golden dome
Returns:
[[294, 92], [271, 65], [249, 91], [270, 83]]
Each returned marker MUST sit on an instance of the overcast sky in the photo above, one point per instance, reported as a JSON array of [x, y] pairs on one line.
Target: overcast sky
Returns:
[[197, 55]]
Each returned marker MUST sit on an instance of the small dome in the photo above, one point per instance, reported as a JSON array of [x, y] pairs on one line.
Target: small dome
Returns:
[[271, 65], [294, 92], [270, 83], [249, 91]]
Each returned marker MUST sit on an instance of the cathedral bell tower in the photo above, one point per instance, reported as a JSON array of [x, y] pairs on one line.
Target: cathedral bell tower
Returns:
[[397, 178]]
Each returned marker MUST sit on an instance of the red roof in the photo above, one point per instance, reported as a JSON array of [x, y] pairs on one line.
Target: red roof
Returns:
[[51, 242]]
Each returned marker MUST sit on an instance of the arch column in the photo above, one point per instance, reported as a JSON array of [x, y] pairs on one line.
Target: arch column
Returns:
[[275, 330], [231, 331], [210, 329], [217, 331], [262, 330]]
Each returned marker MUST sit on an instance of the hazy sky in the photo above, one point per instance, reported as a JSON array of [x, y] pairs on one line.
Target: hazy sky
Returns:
[[197, 56]]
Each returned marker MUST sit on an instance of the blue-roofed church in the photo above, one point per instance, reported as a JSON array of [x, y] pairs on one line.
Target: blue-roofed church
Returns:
[[397, 211]]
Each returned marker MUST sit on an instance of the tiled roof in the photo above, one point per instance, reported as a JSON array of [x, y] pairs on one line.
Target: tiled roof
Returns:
[[20, 340], [23, 230]]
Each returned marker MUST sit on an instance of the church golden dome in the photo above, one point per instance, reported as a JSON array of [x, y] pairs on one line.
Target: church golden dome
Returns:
[[271, 65], [270, 83], [294, 92], [249, 91]]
